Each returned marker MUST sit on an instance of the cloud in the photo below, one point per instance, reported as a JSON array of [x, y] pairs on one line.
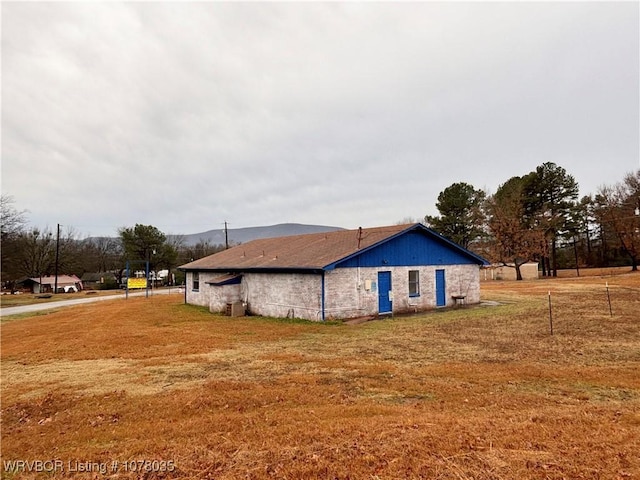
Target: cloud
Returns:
[[183, 115]]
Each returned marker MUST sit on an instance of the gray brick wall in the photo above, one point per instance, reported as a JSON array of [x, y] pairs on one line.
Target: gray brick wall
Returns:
[[349, 292]]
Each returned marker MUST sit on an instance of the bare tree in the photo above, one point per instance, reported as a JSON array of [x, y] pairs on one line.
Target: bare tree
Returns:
[[13, 221], [203, 248], [102, 254], [515, 241], [12, 227], [37, 255], [619, 210]]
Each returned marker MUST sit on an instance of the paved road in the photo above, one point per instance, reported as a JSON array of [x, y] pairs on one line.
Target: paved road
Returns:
[[78, 301]]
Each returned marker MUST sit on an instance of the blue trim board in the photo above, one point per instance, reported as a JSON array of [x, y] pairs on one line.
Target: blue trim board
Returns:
[[322, 296]]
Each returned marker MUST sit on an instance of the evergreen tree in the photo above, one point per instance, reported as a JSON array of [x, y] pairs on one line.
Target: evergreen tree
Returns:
[[461, 214], [145, 243], [549, 197]]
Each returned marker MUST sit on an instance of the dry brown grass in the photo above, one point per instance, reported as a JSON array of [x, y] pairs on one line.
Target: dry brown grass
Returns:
[[482, 392]]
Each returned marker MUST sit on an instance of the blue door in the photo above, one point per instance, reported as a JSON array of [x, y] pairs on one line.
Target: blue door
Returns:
[[384, 290], [441, 295]]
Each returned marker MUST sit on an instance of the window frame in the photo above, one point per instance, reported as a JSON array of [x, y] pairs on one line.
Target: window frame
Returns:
[[195, 281], [414, 285]]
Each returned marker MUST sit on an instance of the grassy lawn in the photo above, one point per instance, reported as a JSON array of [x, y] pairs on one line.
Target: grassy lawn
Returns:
[[480, 392]]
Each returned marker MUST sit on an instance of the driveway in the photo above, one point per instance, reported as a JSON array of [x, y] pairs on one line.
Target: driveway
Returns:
[[69, 303]]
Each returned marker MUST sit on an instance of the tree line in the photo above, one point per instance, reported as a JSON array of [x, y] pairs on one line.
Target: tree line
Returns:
[[34, 252], [539, 217], [534, 217]]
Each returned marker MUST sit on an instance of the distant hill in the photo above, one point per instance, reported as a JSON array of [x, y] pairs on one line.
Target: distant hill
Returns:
[[243, 235]]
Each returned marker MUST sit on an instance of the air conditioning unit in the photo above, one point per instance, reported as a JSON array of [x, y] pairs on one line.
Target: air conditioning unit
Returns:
[[236, 309]]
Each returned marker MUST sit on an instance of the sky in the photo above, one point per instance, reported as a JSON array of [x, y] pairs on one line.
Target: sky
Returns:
[[186, 115]]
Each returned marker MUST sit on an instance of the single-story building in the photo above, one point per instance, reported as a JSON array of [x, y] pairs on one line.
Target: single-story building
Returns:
[[337, 275], [46, 283]]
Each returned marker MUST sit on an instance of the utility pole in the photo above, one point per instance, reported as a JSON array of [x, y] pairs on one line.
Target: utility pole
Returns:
[[226, 236], [147, 273], [55, 285]]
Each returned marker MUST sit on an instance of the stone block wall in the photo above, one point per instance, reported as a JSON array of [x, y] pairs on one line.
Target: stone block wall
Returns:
[[353, 292], [201, 296], [349, 292], [221, 295], [283, 294]]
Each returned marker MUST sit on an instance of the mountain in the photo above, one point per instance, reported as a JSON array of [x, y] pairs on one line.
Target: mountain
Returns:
[[243, 235]]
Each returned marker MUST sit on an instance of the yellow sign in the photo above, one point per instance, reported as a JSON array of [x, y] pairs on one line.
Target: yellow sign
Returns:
[[136, 283]]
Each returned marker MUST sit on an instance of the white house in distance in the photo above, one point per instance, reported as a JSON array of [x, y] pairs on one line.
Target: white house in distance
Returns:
[[337, 275], [47, 283]]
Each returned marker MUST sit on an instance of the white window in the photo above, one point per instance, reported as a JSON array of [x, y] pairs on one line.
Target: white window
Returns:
[[196, 281], [414, 283]]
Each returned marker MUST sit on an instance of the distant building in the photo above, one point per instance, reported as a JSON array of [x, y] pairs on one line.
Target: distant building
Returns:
[[46, 283], [529, 271], [335, 275]]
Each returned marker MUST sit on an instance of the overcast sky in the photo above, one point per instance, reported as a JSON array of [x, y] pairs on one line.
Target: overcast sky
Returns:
[[184, 115]]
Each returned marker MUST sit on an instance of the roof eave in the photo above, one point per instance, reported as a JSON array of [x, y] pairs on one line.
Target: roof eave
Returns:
[[290, 269]]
